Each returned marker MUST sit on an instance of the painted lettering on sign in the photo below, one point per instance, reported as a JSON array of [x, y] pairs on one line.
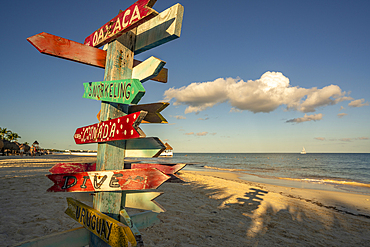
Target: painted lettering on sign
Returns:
[[115, 180], [121, 128], [133, 16], [128, 91], [108, 229]]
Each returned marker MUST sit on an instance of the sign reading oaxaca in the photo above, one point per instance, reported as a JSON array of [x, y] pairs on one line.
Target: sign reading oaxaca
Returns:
[[128, 91], [136, 14]]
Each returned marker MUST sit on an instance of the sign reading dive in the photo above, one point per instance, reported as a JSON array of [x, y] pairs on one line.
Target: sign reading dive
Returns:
[[128, 91], [132, 17], [121, 128], [108, 229], [112, 180], [87, 167]]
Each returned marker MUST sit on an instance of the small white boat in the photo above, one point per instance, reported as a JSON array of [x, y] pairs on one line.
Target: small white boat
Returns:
[[303, 151], [167, 152]]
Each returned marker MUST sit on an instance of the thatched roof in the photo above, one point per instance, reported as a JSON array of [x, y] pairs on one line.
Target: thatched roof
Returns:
[[1, 144], [168, 146], [35, 143]]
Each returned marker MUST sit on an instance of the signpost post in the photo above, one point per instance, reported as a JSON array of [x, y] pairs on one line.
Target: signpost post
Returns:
[[134, 30]]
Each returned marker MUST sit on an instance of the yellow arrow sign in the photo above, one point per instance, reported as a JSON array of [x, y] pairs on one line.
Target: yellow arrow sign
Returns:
[[108, 229]]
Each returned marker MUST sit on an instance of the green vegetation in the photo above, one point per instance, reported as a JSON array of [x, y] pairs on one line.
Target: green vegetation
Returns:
[[8, 135]]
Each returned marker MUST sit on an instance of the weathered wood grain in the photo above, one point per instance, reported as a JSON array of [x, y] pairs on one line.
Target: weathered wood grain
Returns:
[[111, 155]]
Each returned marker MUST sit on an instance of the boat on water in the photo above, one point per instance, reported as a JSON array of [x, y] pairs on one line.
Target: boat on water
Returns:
[[303, 151], [168, 151]]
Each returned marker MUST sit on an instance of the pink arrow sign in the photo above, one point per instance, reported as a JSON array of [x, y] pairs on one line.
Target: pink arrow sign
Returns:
[[115, 180], [132, 17], [121, 128]]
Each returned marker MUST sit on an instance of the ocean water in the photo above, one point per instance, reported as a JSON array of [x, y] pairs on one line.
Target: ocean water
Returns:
[[344, 171]]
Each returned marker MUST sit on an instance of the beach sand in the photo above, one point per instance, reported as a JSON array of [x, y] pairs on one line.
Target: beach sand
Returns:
[[210, 209]]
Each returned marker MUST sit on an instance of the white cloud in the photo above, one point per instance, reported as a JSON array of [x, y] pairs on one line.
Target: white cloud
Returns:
[[204, 133], [341, 108], [320, 138], [363, 138], [262, 95], [179, 117], [203, 118], [342, 114], [358, 103], [346, 139], [306, 118]]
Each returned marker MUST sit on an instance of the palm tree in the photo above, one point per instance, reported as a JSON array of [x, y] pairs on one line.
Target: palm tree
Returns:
[[4, 132], [13, 136]]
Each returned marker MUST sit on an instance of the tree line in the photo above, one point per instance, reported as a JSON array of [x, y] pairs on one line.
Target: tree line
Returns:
[[9, 135]]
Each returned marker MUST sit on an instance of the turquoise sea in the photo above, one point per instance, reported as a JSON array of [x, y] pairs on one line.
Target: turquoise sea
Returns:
[[339, 171]]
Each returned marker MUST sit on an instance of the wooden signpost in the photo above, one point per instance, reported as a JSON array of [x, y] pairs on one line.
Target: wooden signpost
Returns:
[[112, 180], [133, 31]]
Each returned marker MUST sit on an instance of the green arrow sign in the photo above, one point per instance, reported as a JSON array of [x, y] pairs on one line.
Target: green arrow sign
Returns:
[[128, 91]]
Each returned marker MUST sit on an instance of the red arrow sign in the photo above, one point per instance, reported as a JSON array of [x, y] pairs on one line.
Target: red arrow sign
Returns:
[[121, 128], [132, 17], [168, 169], [67, 49], [115, 180]]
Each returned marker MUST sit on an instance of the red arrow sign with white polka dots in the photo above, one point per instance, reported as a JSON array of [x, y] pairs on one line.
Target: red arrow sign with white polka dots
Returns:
[[121, 128]]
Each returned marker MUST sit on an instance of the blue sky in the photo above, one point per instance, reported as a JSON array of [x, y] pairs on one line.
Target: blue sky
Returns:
[[245, 76]]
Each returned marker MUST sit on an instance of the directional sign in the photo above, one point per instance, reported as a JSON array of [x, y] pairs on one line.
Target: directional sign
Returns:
[[108, 229], [167, 169], [153, 110], [112, 180], [163, 28], [136, 14], [148, 69], [67, 49], [144, 219], [128, 91], [142, 200], [121, 128], [72, 168], [150, 147]]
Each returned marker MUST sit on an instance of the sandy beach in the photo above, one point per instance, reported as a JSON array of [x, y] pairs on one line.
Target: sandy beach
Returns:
[[211, 209]]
